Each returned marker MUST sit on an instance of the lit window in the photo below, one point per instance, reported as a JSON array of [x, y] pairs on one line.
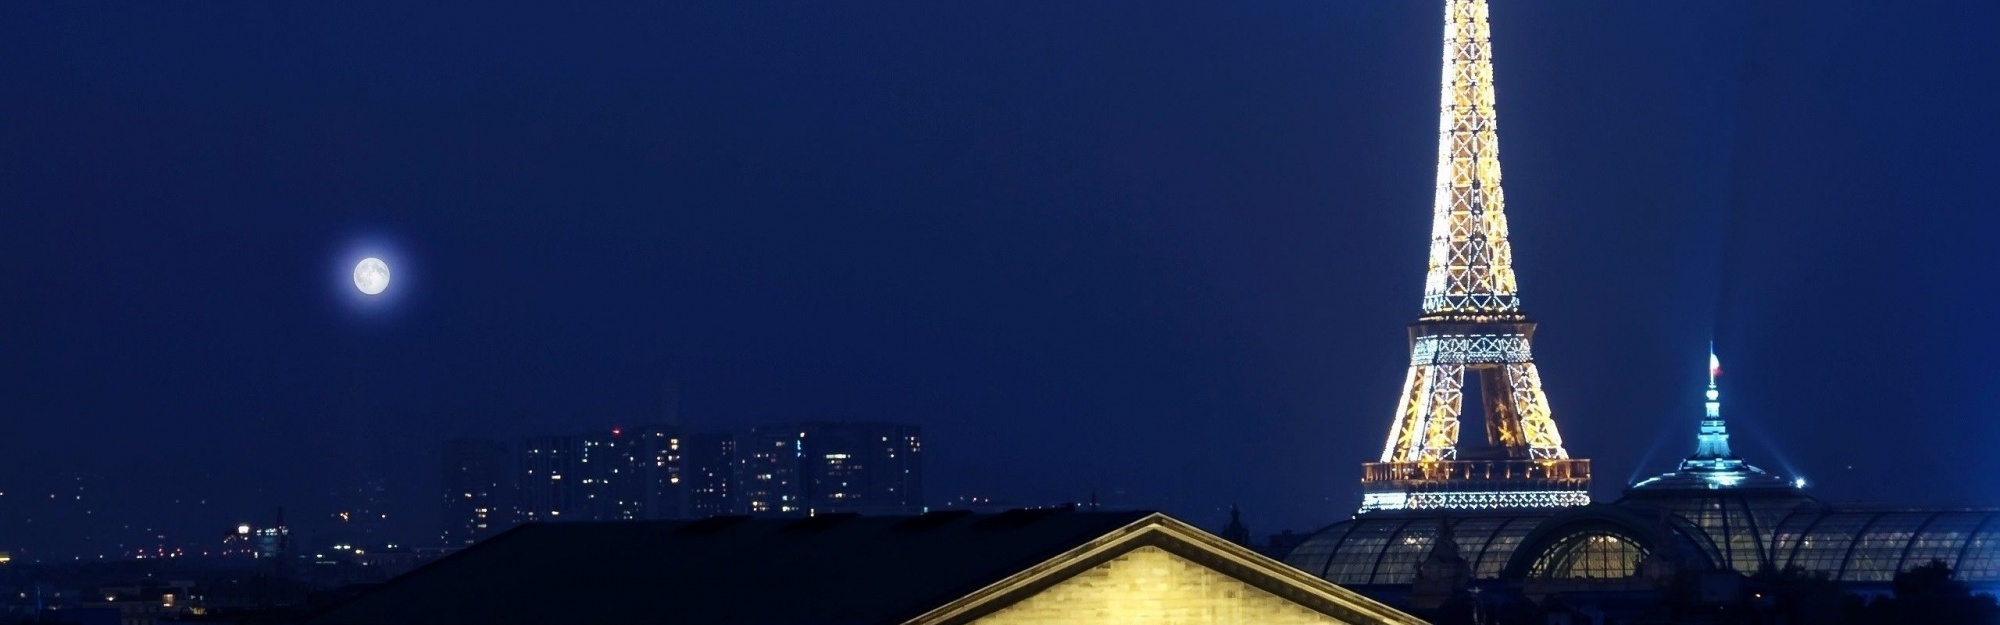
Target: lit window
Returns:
[[1590, 555]]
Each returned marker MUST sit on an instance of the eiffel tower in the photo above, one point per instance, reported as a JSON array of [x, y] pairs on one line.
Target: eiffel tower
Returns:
[[1472, 337]]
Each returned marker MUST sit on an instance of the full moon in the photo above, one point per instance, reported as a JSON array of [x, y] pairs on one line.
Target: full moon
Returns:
[[371, 276]]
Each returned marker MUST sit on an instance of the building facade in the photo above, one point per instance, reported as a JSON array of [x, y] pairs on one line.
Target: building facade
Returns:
[[478, 490], [767, 465], [870, 468], [659, 472], [611, 477], [818, 467], [709, 468], [662, 472], [549, 468]]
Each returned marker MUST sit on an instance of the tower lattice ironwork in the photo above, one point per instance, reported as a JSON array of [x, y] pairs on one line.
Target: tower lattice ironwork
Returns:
[[1472, 337]]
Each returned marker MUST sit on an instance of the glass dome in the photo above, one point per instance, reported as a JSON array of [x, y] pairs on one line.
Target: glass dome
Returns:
[[1385, 547], [1743, 531]]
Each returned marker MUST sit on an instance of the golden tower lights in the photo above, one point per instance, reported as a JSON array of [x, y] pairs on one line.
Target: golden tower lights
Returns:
[[1472, 328]]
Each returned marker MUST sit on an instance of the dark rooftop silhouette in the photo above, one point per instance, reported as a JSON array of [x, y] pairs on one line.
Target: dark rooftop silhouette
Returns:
[[829, 568], [940, 568]]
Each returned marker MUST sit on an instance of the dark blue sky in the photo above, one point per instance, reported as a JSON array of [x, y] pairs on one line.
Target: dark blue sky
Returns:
[[1153, 247]]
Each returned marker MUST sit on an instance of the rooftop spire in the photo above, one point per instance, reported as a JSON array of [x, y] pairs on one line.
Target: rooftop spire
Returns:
[[1713, 465], [1712, 441], [1471, 264]]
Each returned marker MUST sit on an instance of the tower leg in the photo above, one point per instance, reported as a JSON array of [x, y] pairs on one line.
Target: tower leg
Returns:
[[1427, 423], [1503, 422], [1537, 426], [1409, 417], [1443, 405]]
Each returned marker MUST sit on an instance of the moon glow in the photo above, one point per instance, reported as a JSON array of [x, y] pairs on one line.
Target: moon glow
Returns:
[[371, 276]]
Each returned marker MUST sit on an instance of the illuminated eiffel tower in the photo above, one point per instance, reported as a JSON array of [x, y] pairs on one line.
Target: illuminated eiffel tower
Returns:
[[1472, 337]]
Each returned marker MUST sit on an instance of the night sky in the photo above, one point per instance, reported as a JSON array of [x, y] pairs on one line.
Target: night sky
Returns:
[[1160, 251]]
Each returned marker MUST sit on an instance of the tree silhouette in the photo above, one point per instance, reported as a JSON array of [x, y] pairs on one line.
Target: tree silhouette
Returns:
[[1929, 594]]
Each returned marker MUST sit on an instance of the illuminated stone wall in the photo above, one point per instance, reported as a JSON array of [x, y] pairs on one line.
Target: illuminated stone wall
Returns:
[[1152, 586]]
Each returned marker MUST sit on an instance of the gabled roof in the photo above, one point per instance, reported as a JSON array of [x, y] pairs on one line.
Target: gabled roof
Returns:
[[1186, 541], [938, 568]]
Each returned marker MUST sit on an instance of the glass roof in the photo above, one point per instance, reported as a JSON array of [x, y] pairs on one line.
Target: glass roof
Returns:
[[1385, 549], [1739, 531]]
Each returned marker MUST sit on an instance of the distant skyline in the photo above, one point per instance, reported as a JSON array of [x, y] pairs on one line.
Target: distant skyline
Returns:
[[1164, 249]]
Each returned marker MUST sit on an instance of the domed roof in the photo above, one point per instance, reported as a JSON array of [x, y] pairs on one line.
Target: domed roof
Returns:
[[1385, 547], [1744, 530], [1735, 526]]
